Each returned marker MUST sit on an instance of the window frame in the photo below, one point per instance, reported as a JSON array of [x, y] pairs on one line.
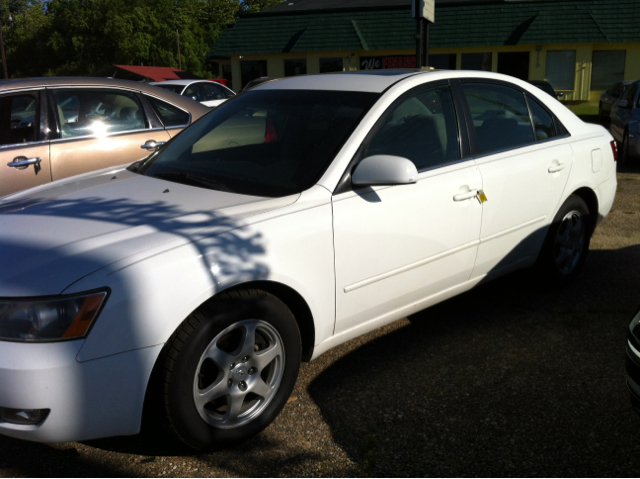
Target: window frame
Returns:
[[157, 116], [473, 140], [57, 137], [345, 185]]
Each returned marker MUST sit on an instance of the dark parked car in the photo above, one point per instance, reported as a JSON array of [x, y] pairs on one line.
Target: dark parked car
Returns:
[[611, 96], [546, 87], [625, 119]]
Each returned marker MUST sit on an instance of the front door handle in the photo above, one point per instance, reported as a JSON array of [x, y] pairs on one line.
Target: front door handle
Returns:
[[152, 145], [22, 162], [466, 196], [556, 168]]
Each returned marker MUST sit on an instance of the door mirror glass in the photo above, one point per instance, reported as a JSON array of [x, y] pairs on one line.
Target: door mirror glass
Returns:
[[622, 104], [385, 170]]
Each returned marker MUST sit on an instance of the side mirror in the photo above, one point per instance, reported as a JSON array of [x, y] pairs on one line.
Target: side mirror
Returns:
[[384, 170], [559, 95], [622, 104]]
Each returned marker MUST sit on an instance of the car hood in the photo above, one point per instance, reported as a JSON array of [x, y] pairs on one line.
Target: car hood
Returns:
[[54, 235]]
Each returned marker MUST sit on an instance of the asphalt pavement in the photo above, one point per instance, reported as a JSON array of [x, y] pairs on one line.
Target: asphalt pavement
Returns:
[[510, 379]]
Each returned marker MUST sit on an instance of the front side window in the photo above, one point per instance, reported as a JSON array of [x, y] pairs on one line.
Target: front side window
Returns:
[[422, 128], [97, 112], [500, 116], [170, 116], [18, 119], [264, 143]]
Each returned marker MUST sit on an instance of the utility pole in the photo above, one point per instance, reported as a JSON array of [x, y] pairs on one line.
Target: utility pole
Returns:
[[4, 56], [178, 42]]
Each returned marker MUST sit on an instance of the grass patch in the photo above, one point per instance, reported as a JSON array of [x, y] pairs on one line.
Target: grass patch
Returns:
[[583, 109]]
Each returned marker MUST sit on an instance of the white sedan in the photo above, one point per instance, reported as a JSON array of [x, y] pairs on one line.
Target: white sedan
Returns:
[[189, 286], [209, 93]]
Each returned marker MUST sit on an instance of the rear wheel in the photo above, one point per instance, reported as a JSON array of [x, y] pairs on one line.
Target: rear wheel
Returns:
[[229, 369], [567, 243]]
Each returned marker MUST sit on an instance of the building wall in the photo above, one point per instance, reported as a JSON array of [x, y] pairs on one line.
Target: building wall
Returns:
[[537, 62]]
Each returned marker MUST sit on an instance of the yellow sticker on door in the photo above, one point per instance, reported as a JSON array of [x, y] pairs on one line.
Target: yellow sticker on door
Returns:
[[481, 196]]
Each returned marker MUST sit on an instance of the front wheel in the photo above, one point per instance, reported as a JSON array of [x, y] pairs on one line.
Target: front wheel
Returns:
[[229, 369], [567, 243]]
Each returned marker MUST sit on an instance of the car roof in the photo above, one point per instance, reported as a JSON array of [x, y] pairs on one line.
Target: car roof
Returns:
[[177, 82], [375, 81], [194, 107]]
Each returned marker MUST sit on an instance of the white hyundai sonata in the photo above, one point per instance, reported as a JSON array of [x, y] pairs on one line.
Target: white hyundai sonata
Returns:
[[301, 214]]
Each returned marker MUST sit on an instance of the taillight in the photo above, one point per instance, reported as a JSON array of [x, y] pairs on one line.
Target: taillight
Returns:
[[270, 134], [614, 148]]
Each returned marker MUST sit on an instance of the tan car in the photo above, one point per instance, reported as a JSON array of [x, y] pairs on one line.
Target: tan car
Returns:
[[52, 128]]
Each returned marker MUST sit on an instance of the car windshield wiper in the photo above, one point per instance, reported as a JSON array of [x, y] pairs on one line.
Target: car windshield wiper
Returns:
[[194, 180]]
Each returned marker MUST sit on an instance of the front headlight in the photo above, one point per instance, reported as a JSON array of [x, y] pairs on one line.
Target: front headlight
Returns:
[[49, 319]]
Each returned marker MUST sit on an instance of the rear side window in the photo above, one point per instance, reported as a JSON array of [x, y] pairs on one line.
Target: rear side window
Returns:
[[195, 92], [500, 116], [170, 116], [18, 119], [422, 128], [96, 112], [216, 92], [544, 126]]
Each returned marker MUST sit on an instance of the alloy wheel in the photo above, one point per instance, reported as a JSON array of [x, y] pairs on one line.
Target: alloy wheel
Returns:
[[238, 374]]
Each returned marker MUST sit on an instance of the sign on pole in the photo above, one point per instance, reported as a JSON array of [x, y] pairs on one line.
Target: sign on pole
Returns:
[[423, 9]]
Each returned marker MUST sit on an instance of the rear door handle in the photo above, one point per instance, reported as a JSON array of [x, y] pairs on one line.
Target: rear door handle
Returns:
[[22, 162], [556, 168], [465, 196], [152, 145]]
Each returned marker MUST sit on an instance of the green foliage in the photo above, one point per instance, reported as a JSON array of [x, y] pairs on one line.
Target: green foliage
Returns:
[[85, 37]]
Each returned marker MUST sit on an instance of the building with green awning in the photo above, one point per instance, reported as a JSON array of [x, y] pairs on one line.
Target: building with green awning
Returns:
[[580, 46]]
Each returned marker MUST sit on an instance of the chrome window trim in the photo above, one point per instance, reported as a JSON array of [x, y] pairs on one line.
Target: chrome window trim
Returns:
[[540, 142], [24, 145], [108, 135], [21, 90]]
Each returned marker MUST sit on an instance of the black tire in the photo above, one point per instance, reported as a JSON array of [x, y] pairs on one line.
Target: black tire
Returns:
[[567, 243], [185, 372]]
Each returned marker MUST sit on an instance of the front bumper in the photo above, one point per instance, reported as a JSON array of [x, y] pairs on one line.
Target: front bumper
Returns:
[[88, 400]]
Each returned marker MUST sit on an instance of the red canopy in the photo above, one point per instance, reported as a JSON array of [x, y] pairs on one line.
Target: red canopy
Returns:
[[159, 73]]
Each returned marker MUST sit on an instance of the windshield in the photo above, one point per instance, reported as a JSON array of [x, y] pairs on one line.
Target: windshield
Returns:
[[170, 87], [263, 143]]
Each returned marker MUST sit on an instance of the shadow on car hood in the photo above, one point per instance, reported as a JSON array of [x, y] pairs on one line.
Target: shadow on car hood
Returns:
[[52, 236]]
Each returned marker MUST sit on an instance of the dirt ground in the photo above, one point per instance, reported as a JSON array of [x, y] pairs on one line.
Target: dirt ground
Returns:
[[509, 379]]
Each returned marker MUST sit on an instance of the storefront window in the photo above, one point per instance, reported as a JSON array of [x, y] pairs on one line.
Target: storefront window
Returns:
[[608, 68], [328, 65], [253, 69], [476, 61], [295, 67], [445, 61], [515, 64], [561, 69]]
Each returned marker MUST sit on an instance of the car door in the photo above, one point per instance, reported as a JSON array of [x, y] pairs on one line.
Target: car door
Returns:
[[524, 159], [98, 128], [620, 116], [396, 246], [24, 144]]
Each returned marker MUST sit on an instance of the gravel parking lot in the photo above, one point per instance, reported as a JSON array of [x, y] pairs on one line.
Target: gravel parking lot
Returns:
[[510, 379]]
